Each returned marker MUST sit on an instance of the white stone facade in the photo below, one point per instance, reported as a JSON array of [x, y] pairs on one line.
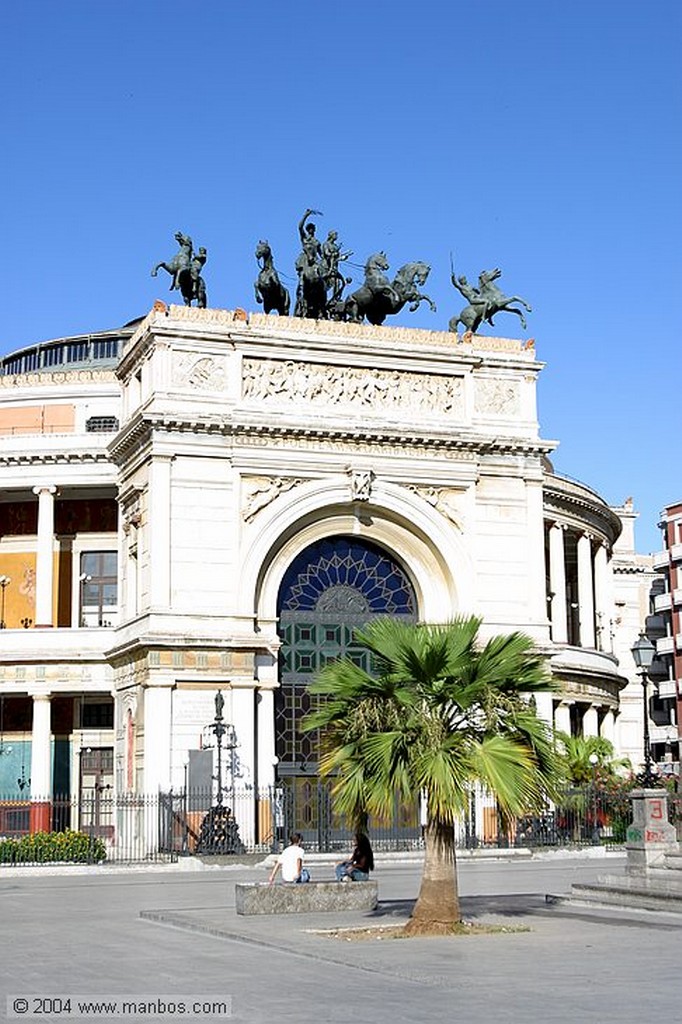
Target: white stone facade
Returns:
[[241, 442]]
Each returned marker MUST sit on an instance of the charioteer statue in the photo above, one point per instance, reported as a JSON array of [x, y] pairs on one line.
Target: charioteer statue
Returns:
[[186, 269]]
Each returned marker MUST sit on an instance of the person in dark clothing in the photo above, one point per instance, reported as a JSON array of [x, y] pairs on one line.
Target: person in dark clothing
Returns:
[[357, 869]]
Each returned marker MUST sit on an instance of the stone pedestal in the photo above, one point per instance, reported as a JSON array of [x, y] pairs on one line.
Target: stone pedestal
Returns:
[[650, 836], [310, 898]]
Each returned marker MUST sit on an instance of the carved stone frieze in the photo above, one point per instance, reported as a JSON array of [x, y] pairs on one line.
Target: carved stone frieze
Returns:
[[499, 397], [287, 381], [205, 373], [443, 499], [259, 492]]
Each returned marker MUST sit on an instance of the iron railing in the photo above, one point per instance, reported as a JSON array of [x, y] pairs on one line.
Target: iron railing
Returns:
[[139, 827]]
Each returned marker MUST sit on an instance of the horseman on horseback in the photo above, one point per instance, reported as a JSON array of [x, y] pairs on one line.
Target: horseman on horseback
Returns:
[[185, 270], [484, 301]]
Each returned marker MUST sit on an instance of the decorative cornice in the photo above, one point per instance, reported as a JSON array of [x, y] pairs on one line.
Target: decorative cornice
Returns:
[[261, 434], [73, 458], [581, 506]]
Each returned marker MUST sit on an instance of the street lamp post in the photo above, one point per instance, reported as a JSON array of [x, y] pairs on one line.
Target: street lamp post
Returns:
[[594, 761], [4, 583], [643, 652]]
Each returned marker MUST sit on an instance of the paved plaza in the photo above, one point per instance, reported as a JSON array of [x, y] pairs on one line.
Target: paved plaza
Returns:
[[174, 933]]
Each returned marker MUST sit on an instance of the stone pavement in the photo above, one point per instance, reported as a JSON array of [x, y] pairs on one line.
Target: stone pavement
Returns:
[[85, 935]]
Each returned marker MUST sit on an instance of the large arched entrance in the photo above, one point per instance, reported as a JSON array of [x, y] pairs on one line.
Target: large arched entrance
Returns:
[[330, 589]]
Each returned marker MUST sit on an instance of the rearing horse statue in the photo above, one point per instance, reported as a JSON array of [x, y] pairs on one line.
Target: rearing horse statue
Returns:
[[378, 297], [484, 301], [185, 270], [270, 292], [181, 261]]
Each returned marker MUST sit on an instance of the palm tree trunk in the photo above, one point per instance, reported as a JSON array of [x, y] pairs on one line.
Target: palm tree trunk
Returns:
[[437, 906]]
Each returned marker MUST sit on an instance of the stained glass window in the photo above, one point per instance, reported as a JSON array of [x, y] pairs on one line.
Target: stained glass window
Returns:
[[333, 587]]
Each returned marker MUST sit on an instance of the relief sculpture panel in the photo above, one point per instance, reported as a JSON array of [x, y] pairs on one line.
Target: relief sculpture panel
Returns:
[[202, 374], [356, 387], [500, 397]]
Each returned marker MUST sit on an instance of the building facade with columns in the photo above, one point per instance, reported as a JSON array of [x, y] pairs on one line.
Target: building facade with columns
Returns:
[[209, 501]]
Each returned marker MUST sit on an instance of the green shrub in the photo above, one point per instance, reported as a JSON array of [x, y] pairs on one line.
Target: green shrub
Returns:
[[43, 847]]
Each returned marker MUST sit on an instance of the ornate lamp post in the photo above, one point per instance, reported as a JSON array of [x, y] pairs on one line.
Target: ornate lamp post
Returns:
[[643, 652], [219, 830], [4, 583]]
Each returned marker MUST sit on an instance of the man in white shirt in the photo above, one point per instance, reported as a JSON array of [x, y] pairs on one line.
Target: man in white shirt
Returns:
[[290, 861]]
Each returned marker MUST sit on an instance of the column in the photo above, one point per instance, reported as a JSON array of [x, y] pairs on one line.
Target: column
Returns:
[[158, 530], [608, 727], [244, 721], [41, 765], [601, 595], [591, 722], [562, 718], [557, 583], [585, 591], [44, 555]]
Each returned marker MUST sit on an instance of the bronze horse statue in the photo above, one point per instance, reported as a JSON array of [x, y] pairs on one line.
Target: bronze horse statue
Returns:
[[378, 297], [185, 270], [270, 292], [484, 301]]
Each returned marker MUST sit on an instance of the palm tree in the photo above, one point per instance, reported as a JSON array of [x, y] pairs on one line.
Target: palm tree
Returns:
[[440, 712], [575, 753]]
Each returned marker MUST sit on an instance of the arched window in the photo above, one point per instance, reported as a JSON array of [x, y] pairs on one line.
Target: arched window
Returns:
[[330, 589]]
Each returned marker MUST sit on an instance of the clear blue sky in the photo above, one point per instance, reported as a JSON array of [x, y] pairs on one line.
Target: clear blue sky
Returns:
[[543, 138]]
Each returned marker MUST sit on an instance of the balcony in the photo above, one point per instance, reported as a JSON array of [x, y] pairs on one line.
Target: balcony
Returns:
[[676, 552], [663, 733], [665, 645], [667, 688], [661, 559], [663, 602]]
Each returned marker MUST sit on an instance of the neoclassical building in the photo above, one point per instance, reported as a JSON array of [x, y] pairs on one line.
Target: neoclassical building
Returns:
[[208, 500]]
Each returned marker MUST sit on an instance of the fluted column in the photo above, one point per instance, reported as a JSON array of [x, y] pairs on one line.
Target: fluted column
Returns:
[[44, 555], [557, 582], [585, 591], [41, 764]]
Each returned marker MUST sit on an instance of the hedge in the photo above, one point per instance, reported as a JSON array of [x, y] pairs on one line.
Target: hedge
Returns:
[[41, 847]]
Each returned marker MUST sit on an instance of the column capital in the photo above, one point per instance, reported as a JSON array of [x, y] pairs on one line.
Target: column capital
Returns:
[[45, 489]]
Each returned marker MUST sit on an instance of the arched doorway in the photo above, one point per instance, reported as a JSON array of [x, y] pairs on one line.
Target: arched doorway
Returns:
[[330, 589]]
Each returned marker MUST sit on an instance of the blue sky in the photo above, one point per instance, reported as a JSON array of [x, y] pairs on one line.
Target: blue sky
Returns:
[[541, 138]]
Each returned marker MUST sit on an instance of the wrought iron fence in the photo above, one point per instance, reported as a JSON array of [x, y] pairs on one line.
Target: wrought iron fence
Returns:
[[135, 827]]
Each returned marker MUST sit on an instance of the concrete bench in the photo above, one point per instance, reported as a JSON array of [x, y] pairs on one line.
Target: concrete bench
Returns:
[[308, 898]]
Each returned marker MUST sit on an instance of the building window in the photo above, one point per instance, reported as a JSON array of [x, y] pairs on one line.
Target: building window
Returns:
[[97, 715], [99, 588], [101, 424]]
